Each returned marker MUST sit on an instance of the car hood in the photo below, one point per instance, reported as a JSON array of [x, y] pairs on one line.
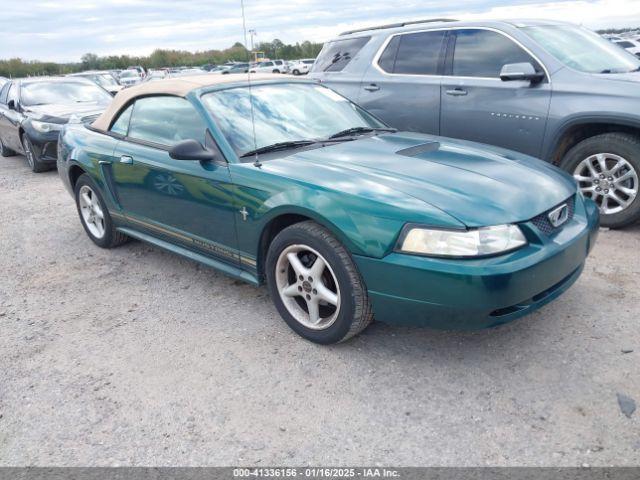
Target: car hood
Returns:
[[62, 113], [477, 184]]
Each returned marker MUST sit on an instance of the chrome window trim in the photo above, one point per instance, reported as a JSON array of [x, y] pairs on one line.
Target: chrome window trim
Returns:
[[384, 45]]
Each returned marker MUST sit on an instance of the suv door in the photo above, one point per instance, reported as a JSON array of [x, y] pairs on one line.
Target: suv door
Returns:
[[189, 202], [10, 118], [402, 84], [478, 106]]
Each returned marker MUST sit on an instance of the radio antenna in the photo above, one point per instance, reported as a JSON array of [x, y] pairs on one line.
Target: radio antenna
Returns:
[[256, 162]]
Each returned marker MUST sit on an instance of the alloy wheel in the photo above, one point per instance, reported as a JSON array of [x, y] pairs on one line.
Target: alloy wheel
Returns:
[[91, 211], [308, 287], [28, 152], [609, 180]]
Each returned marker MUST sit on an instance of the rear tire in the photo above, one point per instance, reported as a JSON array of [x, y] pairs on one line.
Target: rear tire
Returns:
[[94, 215], [5, 151], [324, 302], [607, 169], [32, 159], [296, 72]]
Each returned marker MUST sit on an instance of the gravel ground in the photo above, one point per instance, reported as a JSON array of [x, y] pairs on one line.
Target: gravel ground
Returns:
[[135, 356]]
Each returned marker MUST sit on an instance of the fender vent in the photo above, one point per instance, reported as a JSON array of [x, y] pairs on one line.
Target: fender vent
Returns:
[[418, 149]]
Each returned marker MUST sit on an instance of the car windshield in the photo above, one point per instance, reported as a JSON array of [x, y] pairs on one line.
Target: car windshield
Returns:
[[583, 49], [105, 80], [283, 112], [64, 93]]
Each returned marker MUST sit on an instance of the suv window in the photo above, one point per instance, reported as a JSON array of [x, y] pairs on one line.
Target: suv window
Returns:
[[121, 125], [483, 53], [625, 44], [166, 121], [337, 55], [413, 53], [13, 93]]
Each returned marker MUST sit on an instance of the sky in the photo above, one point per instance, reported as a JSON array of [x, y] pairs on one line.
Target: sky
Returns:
[[62, 30]]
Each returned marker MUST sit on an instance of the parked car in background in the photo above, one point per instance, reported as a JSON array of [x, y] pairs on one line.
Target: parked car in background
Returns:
[[129, 78], [342, 217], [266, 67], [301, 67], [282, 65], [630, 45], [237, 68], [153, 75], [103, 78], [552, 90], [33, 111], [141, 71]]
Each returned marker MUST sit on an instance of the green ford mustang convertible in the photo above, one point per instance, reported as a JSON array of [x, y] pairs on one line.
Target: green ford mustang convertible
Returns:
[[284, 181]]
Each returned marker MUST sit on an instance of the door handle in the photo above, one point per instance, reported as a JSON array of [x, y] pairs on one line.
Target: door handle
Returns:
[[456, 92], [126, 159], [372, 88]]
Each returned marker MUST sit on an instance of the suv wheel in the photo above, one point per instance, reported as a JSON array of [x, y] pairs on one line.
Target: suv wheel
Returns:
[[94, 214], [607, 169], [32, 159], [296, 71], [5, 151], [315, 285]]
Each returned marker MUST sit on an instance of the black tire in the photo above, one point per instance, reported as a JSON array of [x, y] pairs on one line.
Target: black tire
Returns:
[[34, 162], [354, 313], [276, 71], [111, 238], [6, 151], [296, 72], [623, 145]]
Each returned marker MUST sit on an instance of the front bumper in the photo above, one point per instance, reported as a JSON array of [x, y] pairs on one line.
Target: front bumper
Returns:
[[45, 145], [472, 294]]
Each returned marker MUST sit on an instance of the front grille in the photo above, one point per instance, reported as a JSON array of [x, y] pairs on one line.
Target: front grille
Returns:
[[542, 220]]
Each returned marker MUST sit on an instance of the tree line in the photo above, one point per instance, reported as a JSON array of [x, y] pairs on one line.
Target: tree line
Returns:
[[276, 49]]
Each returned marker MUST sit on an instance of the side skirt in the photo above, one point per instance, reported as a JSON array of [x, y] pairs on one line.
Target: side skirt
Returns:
[[210, 262]]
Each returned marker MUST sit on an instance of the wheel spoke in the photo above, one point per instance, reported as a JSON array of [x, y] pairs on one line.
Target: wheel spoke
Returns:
[[622, 203], [627, 191], [581, 178], [591, 168], [317, 268], [314, 310], [624, 177], [327, 295], [291, 290], [604, 206], [296, 264], [602, 162], [87, 199]]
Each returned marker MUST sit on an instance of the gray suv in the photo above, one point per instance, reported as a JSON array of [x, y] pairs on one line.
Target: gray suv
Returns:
[[551, 90]]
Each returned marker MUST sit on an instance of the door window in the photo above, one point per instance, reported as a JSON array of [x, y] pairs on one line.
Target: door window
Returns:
[[417, 54], [121, 125], [483, 53], [337, 55], [13, 93], [166, 120]]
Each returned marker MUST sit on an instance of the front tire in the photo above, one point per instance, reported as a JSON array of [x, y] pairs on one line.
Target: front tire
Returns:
[[32, 159], [315, 284], [94, 214], [296, 72], [607, 169]]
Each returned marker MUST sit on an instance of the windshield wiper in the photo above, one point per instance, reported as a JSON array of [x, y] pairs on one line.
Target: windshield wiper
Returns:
[[278, 146], [359, 130]]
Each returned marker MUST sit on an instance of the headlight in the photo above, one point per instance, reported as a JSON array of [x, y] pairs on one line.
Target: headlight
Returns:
[[45, 127], [462, 243]]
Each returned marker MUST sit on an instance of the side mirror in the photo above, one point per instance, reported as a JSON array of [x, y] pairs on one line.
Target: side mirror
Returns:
[[11, 105], [520, 71], [191, 150]]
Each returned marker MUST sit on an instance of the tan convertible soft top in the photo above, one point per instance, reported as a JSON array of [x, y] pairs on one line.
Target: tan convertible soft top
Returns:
[[178, 86]]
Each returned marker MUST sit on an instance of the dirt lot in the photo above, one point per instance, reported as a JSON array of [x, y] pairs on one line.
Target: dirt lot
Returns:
[[135, 356]]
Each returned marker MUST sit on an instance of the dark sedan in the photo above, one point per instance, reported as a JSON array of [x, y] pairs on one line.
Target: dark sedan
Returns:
[[33, 111]]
